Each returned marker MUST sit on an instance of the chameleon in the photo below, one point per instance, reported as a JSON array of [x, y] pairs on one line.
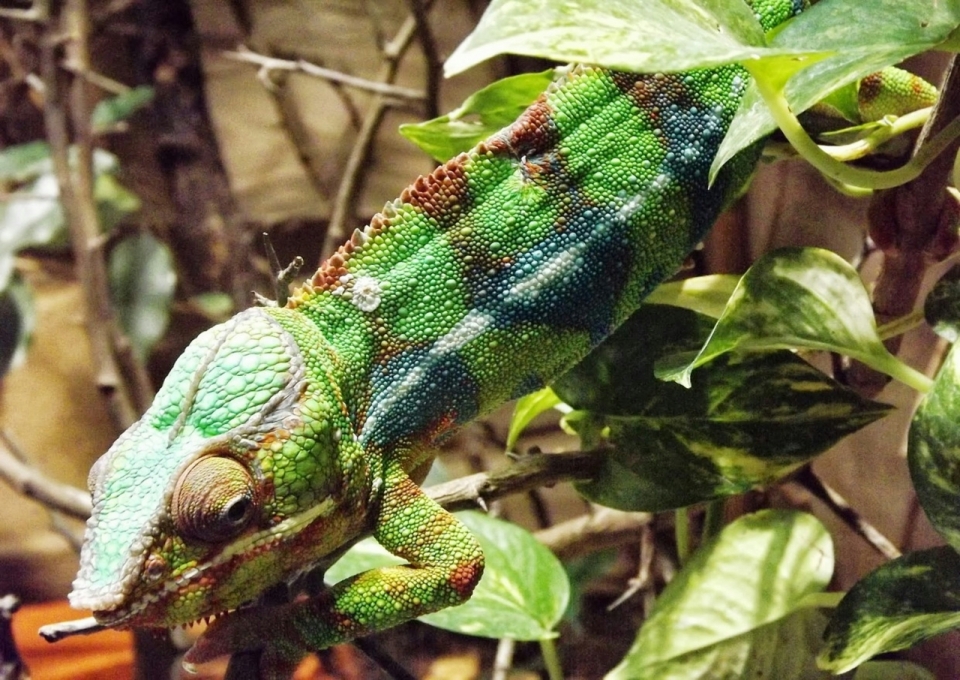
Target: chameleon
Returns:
[[284, 434]]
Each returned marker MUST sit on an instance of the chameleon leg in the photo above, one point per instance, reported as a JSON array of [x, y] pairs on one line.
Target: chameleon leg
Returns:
[[446, 563]]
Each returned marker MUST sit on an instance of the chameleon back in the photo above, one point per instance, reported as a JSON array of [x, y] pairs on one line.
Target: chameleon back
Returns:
[[491, 276]]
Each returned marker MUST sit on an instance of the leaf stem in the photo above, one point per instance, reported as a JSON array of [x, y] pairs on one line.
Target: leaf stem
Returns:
[[829, 166], [822, 600], [900, 325], [908, 375], [884, 133], [550, 659], [681, 529], [712, 520]]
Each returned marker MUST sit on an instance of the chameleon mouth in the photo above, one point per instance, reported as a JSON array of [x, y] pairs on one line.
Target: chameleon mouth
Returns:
[[132, 612]]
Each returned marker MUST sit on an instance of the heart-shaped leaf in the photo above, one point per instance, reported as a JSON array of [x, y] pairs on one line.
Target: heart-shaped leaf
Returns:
[[708, 622], [745, 422], [483, 113], [142, 281], [933, 450], [894, 607], [793, 298]]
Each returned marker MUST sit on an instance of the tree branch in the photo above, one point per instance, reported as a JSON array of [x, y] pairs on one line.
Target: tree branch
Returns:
[[268, 64], [31, 483], [809, 480]]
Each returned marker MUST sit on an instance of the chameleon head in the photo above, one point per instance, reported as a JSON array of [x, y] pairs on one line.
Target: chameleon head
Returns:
[[225, 486]]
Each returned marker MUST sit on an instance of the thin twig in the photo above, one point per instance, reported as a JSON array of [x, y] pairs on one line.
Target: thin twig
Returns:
[[503, 661], [268, 64], [12, 666], [31, 483], [359, 154], [643, 578], [431, 57], [809, 480]]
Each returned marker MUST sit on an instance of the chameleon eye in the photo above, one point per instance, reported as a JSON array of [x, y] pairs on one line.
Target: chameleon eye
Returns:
[[214, 500]]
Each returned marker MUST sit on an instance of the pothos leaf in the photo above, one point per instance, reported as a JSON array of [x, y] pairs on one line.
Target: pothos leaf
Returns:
[[16, 323], [113, 110], [885, 33], [522, 595], [910, 599], [704, 294], [614, 33], [933, 450], [797, 298], [758, 570], [527, 408], [483, 113], [941, 309], [745, 422]]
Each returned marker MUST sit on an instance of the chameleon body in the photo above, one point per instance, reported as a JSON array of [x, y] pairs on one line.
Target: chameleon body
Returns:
[[285, 433]]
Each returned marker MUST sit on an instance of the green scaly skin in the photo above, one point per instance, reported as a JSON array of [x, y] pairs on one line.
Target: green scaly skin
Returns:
[[286, 433]]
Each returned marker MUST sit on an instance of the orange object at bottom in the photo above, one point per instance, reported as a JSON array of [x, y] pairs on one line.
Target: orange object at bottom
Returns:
[[107, 655]]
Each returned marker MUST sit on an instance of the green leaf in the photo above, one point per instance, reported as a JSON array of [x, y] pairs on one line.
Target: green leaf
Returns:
[[894, 607], [941, 309], [745, 422], [528, 408], [17, 320], [490, 109], [114, 201], [704, 294], [33, 217], [522, 595], [619, 34], [707, 623], [24, 161], [797, 298], [933, 450], [885, 32], [142, 280], [109, 112]]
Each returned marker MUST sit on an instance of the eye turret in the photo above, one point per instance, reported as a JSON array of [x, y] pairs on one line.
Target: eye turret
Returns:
[[214, 500]]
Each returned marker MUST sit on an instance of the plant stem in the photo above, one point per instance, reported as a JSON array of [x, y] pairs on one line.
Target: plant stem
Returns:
[[550, 659], [822, 600], [713, 520], [681, 529], [884, 133], [834, 169], [900, 325]]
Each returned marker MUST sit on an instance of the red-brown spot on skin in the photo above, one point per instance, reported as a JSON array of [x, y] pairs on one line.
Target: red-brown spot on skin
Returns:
[[534, 132], [465, 578], [434, 194], [870, 87], [651, 91]]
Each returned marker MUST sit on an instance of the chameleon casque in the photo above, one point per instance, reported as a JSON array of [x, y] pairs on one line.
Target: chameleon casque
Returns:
[[285, 433]]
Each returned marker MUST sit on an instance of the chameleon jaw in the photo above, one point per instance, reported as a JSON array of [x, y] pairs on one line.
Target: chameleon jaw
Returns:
[[156, 606]]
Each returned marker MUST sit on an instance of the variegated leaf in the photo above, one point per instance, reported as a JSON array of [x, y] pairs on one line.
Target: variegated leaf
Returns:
[[933, 450], [745, 422], [894, 607], [797, 298], [709, 622]]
